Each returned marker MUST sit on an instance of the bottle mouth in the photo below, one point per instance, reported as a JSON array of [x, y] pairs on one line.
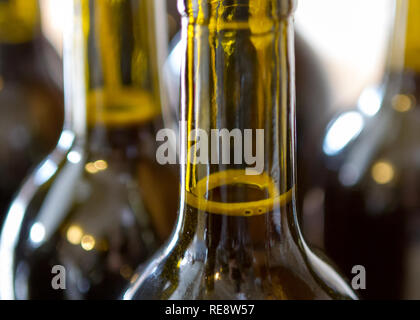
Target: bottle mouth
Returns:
[[237, 193], [228, 11], [234, 193]]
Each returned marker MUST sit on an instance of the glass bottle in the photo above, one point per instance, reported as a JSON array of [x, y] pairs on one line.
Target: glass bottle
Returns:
[[95, 205], [31, 98], [237, 235], [312, 116], [372, 187]]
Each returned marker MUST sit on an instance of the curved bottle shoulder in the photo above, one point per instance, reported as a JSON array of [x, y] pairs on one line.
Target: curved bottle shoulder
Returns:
[[83, 213], [189, 268]]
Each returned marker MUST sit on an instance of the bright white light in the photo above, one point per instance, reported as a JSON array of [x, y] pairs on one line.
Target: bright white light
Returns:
[[353, 52], [343, 130], [66, 140], [45, 172], [370, 101], [74, 157], [37, 233], [8, 240]]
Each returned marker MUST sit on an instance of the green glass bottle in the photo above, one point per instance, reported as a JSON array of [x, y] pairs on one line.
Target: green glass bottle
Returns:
[[237, 235]]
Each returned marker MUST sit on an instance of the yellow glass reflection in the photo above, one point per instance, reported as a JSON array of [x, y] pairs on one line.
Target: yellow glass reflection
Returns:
[[74, 235], [101, 165], [88, 242], [402, 102], [90, 167], [383, 172], [97, 166]]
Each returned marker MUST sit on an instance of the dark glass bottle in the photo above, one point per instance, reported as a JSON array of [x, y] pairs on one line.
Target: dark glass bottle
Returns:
[[31, 98], [100, 203], [237, 235], [372, 207], [312, 111]]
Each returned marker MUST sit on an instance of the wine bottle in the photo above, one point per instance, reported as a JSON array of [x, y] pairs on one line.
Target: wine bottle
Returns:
[[371, 192], [237, 235], [31, 98], [313, 104], [100, 204]]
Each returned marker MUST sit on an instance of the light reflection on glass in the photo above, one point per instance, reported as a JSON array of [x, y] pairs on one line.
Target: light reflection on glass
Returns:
[[383, 172], [370, 101], [74, 157], [88, 242], [66, 140], [343, 129], [97, 166], [74, 235], [45, 172], [37, 233], [90, 167], [101, 165], [8, 241], [402, 102]]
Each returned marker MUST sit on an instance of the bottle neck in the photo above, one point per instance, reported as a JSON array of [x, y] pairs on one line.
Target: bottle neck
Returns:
[[412, 37], [237, 112], [111, 71], [403, 70]]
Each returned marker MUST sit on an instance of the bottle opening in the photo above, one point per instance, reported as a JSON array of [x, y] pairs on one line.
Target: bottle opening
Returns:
[[234, 193], [237, 193]]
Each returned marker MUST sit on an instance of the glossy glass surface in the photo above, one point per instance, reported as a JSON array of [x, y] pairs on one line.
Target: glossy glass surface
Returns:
[[237, 235]]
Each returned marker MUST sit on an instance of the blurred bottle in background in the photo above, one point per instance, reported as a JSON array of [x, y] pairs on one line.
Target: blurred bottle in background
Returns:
[[31, 98], [100, 203], [372, 187]]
